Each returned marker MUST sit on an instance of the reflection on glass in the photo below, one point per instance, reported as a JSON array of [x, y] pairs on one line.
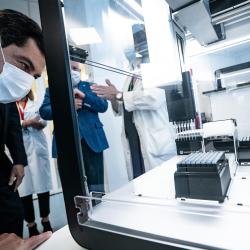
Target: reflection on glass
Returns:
[[113, 64], [150, 127]]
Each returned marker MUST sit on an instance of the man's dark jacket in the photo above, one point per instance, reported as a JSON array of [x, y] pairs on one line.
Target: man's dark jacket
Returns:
[[11, 211], [11, 136]]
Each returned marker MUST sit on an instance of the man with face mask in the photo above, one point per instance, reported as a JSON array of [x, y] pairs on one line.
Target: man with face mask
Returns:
[[21, 61], [93, 138]]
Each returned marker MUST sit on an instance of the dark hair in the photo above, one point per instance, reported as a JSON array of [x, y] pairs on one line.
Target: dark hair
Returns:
[[16, 28]]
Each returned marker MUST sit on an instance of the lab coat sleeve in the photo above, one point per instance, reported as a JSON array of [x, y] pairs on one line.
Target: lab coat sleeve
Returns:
[[14, 137], [45, 110], [94, 103], [148, 99]]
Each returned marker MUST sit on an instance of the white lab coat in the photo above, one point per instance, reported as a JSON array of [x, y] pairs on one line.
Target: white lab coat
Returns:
[[37, 177], [150, 116]]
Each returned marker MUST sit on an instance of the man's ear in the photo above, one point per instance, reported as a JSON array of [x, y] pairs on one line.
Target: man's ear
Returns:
[[1, 65], [1, 61]]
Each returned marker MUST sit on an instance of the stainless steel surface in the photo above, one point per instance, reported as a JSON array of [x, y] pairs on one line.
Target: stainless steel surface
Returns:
[[177, 4], [232, 14], [235, 7], [196, 18]]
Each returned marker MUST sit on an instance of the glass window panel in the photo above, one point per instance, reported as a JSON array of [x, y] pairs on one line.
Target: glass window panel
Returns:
[[125, 46], [151, 130]]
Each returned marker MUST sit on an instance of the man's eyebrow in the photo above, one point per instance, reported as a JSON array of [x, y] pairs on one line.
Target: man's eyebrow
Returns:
[[27, 60]]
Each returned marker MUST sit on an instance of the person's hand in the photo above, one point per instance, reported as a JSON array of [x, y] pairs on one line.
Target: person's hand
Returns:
[[17, 174], [12, 241], [106, 92], [78, 94], [34, 123], [78, 103]]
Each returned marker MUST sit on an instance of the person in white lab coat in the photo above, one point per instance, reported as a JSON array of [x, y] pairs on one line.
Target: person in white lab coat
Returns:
[[147, 136], [37, 178]]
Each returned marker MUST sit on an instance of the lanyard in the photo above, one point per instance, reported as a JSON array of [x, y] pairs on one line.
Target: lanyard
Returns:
[[132, 84], [21, 108]]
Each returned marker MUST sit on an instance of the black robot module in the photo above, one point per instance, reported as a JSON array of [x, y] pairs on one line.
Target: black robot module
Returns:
[[203, 176]]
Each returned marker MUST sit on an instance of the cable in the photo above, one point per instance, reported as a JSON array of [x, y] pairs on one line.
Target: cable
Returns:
[[104, 67]]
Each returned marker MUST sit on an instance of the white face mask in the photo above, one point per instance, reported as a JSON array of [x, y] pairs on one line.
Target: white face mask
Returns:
[[76, 77], [15, 83]]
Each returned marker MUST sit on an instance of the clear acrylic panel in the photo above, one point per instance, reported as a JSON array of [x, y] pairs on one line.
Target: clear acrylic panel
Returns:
[[187, 104], [119, 37], [113, 33], [170, 219], [164, 122]]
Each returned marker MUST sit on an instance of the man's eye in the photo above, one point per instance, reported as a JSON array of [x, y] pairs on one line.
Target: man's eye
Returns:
[[24, 66]]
